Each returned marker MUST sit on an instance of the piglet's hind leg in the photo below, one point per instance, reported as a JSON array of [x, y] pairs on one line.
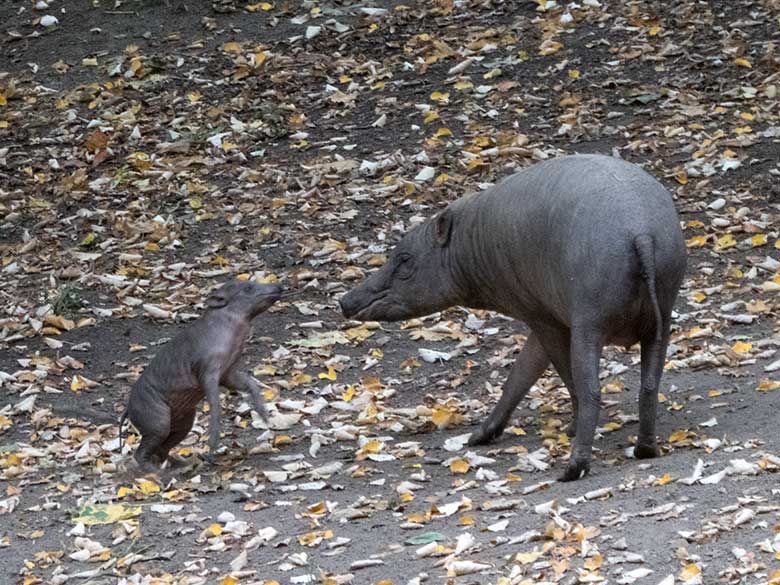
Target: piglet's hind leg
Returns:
[[180, 428], [152, 418]]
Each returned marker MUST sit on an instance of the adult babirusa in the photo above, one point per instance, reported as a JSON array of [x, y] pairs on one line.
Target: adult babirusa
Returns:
[[587, 250]]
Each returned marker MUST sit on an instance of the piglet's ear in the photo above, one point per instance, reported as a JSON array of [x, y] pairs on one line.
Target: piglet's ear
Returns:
[[216, 300], [443, 223]]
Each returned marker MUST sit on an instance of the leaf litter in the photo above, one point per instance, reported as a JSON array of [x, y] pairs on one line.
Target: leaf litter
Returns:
[[138, 174]]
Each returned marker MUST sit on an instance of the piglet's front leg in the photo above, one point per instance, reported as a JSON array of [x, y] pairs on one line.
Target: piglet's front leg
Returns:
[[243, 382], [210, 385]]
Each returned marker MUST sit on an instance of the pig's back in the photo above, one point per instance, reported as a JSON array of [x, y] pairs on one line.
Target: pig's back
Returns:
[[571, 223]]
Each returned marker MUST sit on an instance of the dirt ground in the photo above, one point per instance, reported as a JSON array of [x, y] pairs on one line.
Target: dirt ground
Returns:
[[151, 150]]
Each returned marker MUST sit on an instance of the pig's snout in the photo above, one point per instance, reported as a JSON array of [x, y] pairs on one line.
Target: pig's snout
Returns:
[[349, 304]]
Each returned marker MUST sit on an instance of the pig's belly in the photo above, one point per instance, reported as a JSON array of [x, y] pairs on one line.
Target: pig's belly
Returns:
[[630, 326]]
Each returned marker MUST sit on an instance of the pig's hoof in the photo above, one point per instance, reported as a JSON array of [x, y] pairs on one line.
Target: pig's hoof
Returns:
[[571, 429], [575, 471], [486, 434], [645, 451]]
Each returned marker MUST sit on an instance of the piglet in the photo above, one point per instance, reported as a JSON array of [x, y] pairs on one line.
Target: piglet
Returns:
[[200, 359], [586, 249]]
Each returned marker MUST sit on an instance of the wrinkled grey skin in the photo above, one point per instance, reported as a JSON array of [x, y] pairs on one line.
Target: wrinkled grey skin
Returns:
[[199, 360], [586, 249]]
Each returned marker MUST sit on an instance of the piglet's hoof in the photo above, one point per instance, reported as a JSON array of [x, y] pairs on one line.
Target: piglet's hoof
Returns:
[[571, 429], [644, 451], [176, 462], [575, 471], [486, 433]]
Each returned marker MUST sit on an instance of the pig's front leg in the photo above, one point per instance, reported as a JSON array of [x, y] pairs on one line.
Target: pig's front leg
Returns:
[[528, 367], [210, 385], [243, 382]]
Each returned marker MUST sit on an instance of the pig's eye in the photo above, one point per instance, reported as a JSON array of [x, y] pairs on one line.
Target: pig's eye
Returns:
[[405, 268]]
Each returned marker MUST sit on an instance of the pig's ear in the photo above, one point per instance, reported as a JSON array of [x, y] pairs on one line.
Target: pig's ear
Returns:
[[217, 299], [443, 225]]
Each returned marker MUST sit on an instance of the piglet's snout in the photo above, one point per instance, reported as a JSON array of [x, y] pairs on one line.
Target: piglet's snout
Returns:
[[271, 290]]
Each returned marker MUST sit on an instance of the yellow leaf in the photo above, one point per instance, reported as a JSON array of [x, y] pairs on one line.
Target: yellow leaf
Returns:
[[372, 446], [459, 466], [516, 431], [612, 426], [348, 394], [528, 558], [593, 563], [746, 116], [331, 375], [463, 85], [444, 417], [742, 62], [147, 487], [682, 178], [549, 47], [679, 436], [443, 132], [743, 130], [215, 529], [124, 491], [406, 497], [714, 393], [698, 297], [742, 347], [300, 378], [663, 480], [430, 117], [574, 73], [725, 242], [767, 385], [77, 383], [3, 99], [228, 581], [758, 240], [438, 96], [654, 30], [5, 422], [232, 47], [696, 241], [694, 223], [441, 179], [3, 124], [194, 97], [467, 520], [89, 62], [690, 571], [94, 514], [314, 538]]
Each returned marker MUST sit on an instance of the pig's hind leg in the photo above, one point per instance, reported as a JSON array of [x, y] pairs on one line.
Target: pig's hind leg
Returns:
[[180, 428], [528, 367], [587, 343], [653, 357]]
